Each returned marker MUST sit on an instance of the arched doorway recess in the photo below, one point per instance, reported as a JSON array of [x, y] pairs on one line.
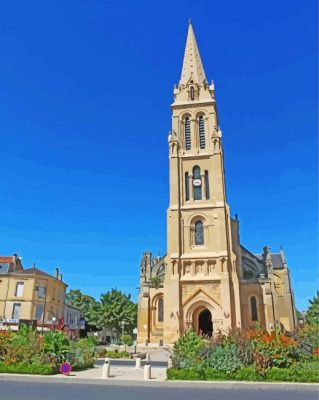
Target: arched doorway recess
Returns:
[[205, 324]]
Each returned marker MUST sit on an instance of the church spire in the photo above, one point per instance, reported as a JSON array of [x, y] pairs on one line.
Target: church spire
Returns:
[[192, 64]]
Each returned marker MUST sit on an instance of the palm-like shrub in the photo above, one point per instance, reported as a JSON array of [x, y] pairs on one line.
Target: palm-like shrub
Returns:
[[57, 344], [81, 354]]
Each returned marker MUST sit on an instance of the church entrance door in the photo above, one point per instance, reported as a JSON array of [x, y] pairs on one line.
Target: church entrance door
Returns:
[[205, 325]]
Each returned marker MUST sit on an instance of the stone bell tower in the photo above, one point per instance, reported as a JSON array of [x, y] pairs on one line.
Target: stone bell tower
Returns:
[[201, 287]]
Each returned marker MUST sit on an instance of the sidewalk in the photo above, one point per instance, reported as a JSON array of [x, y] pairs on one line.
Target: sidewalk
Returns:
[[117, 373]]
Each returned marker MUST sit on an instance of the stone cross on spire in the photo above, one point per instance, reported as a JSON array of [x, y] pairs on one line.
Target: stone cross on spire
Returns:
[[192, 64]]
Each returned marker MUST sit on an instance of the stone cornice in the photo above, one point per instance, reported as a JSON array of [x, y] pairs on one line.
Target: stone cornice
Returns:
[[192, 105]]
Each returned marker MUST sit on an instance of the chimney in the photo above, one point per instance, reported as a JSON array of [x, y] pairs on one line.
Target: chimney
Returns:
[[57, 272], [60, 277]]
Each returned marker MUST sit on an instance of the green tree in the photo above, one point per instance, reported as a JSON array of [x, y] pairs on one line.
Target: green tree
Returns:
[[114, 308], [312, 315], [82, 301]]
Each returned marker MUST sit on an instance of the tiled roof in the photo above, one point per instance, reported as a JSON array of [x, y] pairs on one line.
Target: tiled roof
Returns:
[[5, 259], [32, 271]]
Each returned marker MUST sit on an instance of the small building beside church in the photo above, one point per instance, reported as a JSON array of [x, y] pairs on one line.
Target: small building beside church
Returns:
[[208, 280]]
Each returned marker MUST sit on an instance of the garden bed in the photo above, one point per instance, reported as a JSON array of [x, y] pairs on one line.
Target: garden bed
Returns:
[[27, 352], [255, 355]]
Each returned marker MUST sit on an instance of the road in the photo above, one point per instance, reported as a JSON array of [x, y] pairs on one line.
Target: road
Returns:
[[17, 390]]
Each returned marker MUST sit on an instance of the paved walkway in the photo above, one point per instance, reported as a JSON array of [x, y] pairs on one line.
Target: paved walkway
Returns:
[[118, 373]]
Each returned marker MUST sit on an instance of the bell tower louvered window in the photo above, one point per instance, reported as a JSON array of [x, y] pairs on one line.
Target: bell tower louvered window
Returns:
[[201, 130], [186, 186], [206, 185], [187, 134]]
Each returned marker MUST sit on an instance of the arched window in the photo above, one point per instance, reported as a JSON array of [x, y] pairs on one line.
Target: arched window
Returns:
[[186, 186], [187, 134], [201, 131], [199, 233], [160, 311], [206, 185], [253, 308], [197, 183]]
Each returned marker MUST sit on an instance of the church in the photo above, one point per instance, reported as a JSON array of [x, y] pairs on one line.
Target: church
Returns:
[[208, 281]]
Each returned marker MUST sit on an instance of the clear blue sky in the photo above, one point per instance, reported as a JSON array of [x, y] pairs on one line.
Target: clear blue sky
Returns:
[[85, 89]]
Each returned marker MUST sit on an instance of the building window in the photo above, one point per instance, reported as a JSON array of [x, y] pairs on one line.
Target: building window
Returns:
[[160, 314], [16, 311], [19, 289], [187, 134], [39, 312], [186, 186], [197, 183], [201, 131], [199, 233], [253, 308], [41, 292], [206, 185]]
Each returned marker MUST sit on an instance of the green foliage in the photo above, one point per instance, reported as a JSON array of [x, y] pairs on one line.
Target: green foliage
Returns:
[[310, 334], [224, 359], [298, 373], [26, 351], [183, 375], [117, 354], [82, 301], [156, 281], [22, 368], [312, 315], [187, 351], [57, 344], [126, 339], [23, 346], [114, 308], [82, 354]]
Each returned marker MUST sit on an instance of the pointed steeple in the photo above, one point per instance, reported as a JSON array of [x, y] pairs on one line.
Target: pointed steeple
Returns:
[[192, 64]]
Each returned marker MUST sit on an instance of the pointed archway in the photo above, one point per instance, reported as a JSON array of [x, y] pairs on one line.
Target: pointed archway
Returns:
[[205, 324]]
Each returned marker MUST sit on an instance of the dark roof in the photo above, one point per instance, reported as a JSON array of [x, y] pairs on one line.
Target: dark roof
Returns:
[[32, 271], [277, 261]]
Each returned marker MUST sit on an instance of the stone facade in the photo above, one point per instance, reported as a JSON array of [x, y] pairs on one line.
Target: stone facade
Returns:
[[29, 294], [207, 280]]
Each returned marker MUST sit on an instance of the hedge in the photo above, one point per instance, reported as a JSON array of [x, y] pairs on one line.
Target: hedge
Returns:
[[301, 373], [20, 368], [115, 354]]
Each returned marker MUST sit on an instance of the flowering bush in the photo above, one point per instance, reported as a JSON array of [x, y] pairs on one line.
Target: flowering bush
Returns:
[[256, 350], [273, 350]]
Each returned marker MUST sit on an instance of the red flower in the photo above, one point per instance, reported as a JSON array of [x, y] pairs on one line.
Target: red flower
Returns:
[[316, 351]]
